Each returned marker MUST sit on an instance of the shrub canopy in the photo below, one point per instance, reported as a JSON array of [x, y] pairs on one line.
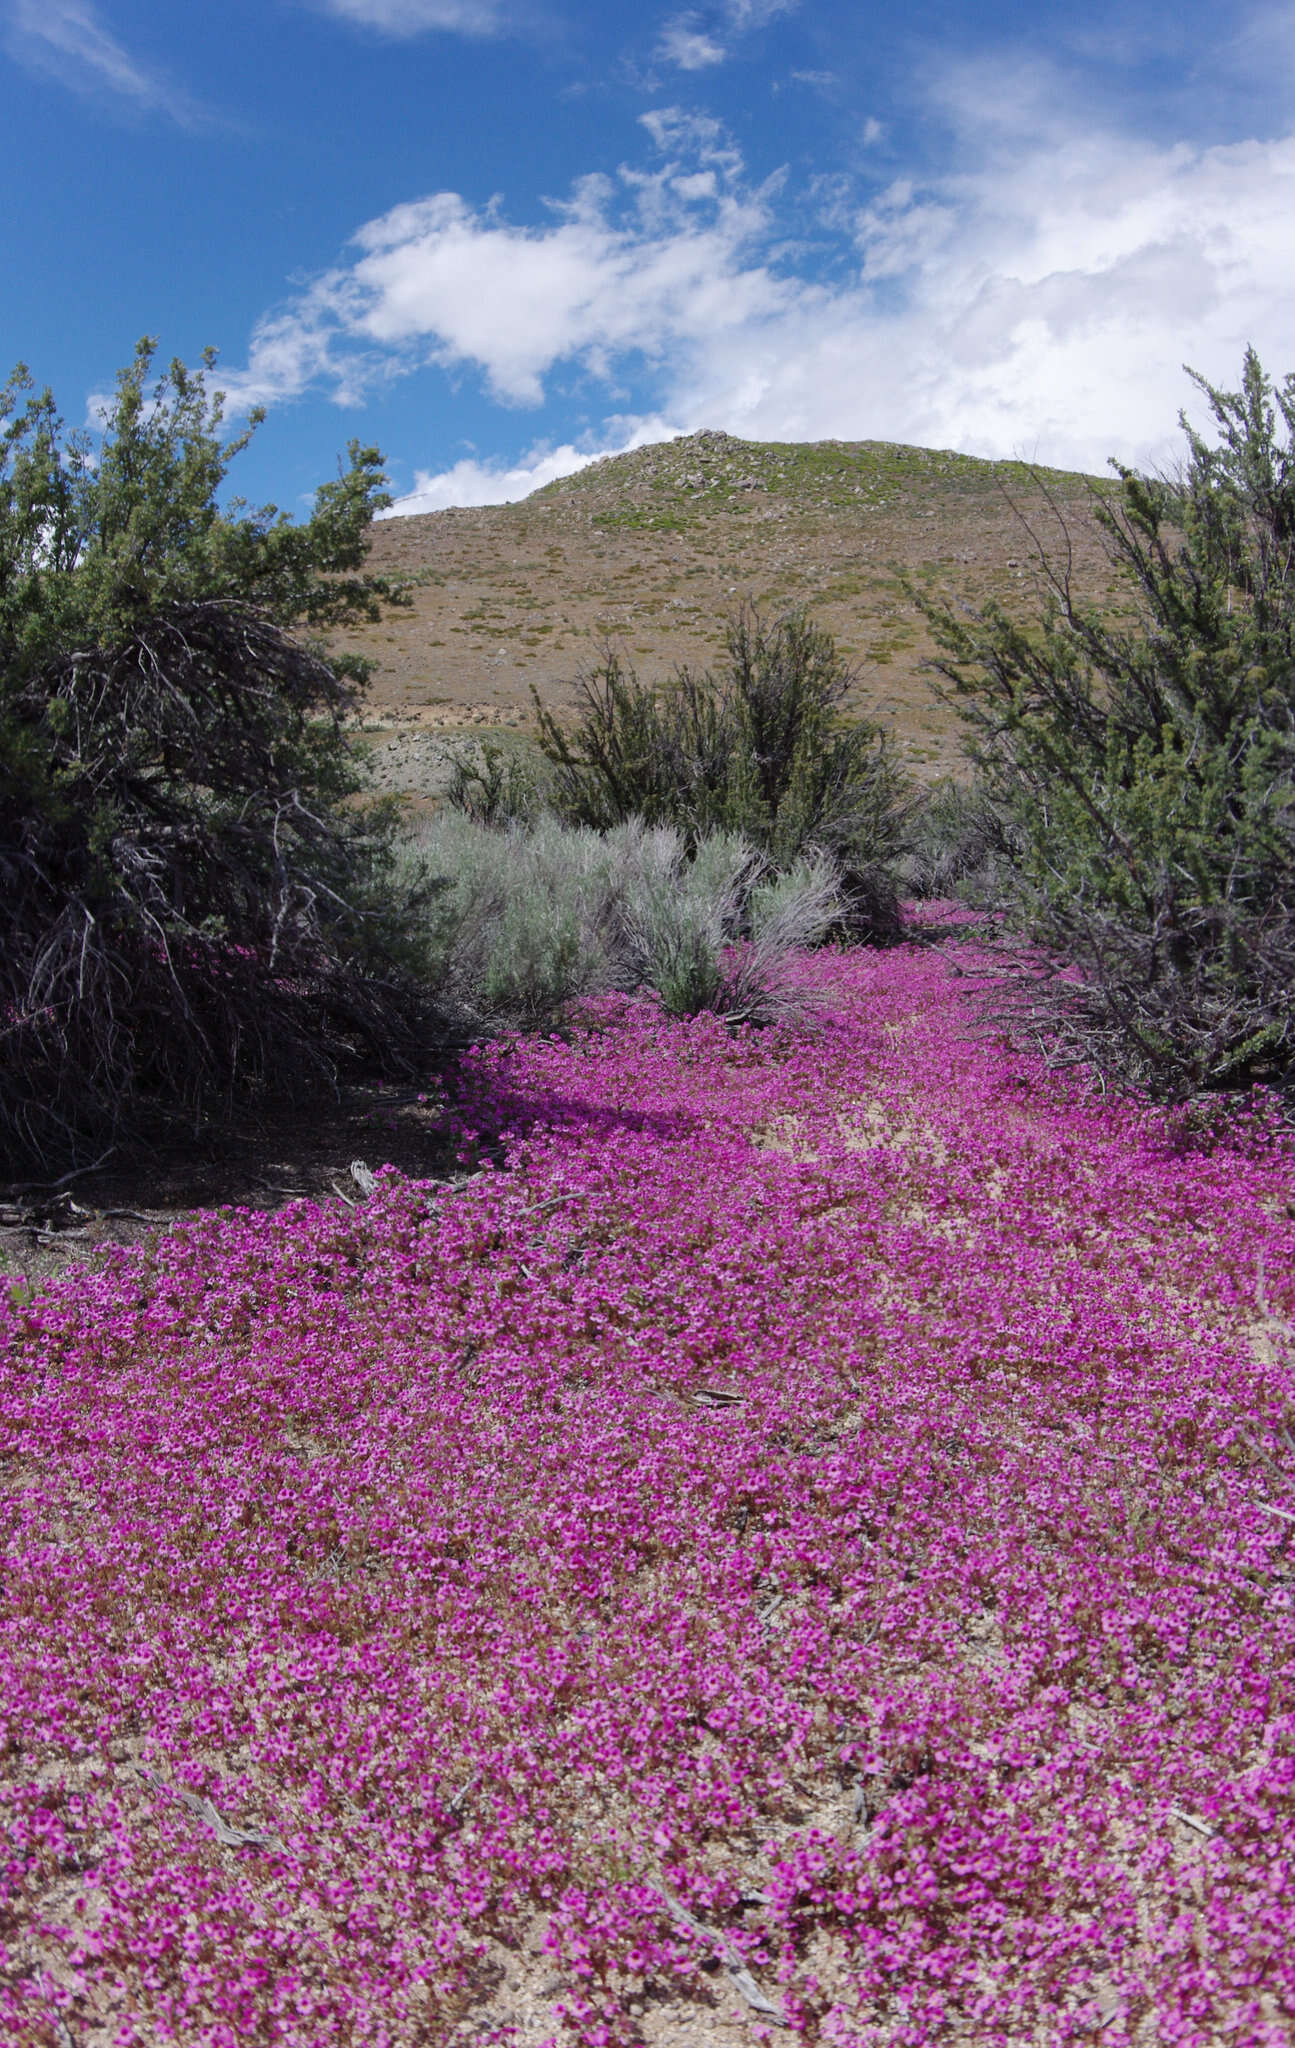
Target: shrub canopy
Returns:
[[190, 904], [761, 749], [1148, 762]]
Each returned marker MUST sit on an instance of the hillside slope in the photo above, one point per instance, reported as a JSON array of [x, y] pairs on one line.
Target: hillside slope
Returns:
[[651, 550]]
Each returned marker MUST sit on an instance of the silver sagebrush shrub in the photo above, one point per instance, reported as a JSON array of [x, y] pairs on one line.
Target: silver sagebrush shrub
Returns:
[[528, 920]]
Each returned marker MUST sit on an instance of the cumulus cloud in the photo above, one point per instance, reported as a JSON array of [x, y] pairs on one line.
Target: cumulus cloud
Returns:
[[679, 132], [1046, 313], [69, 41], [1039, 301], [636, 268]]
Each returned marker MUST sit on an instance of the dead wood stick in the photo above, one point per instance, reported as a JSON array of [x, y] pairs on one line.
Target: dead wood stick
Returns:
[[728, 1955], [1193, 1820], [50, 1187], [435, 1190], [463, 1792], [1266, 1308], [554, 1202], [1266, 1507], [229, 1837]]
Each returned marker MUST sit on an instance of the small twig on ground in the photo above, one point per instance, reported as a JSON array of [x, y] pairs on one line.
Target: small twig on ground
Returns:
[[1266, 1507], [434, 1189], [463, 1792], [553, 1202], [742, 1979], [228, 1837], [344, 1197], [1193, 1820], [51, 1187], [1266, 1308]]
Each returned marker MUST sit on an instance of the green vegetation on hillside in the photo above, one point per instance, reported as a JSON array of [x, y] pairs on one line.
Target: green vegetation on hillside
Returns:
[[674, 485]]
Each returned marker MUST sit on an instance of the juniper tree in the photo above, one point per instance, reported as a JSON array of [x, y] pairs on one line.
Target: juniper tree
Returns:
[[1147, 759], [192, 902]]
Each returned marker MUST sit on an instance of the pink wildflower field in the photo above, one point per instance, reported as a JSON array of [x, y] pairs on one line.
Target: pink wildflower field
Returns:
[[801, 1547]]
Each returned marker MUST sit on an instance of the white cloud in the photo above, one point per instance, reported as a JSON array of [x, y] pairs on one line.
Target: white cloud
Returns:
[[686, 46], [473, 482], [747, 14], [676, 131], [1040, 301], [67, 40], [405, 18], [639, 267], [1042, 306]]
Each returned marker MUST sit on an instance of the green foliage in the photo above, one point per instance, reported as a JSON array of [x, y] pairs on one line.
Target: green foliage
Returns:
[[960, 843], [495, 785], [642, 519], [1148, 767], [191, 900], [762, 750]]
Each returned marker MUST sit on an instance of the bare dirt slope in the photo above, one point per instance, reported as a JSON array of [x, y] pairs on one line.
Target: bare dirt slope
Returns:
[[653, 550]]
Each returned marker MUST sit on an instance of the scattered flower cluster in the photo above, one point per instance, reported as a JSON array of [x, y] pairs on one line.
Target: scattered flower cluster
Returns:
[[810, 1537]]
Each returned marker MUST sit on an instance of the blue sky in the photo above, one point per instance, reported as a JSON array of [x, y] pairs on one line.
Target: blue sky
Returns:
[[499, 237]]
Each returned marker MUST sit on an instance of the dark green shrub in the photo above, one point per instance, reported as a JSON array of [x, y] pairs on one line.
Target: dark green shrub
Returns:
[[762, 749], [1147, 765], [494, 785], [191, 902]]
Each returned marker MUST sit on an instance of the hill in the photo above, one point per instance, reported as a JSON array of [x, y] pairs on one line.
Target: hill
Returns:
[[653, 549]]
